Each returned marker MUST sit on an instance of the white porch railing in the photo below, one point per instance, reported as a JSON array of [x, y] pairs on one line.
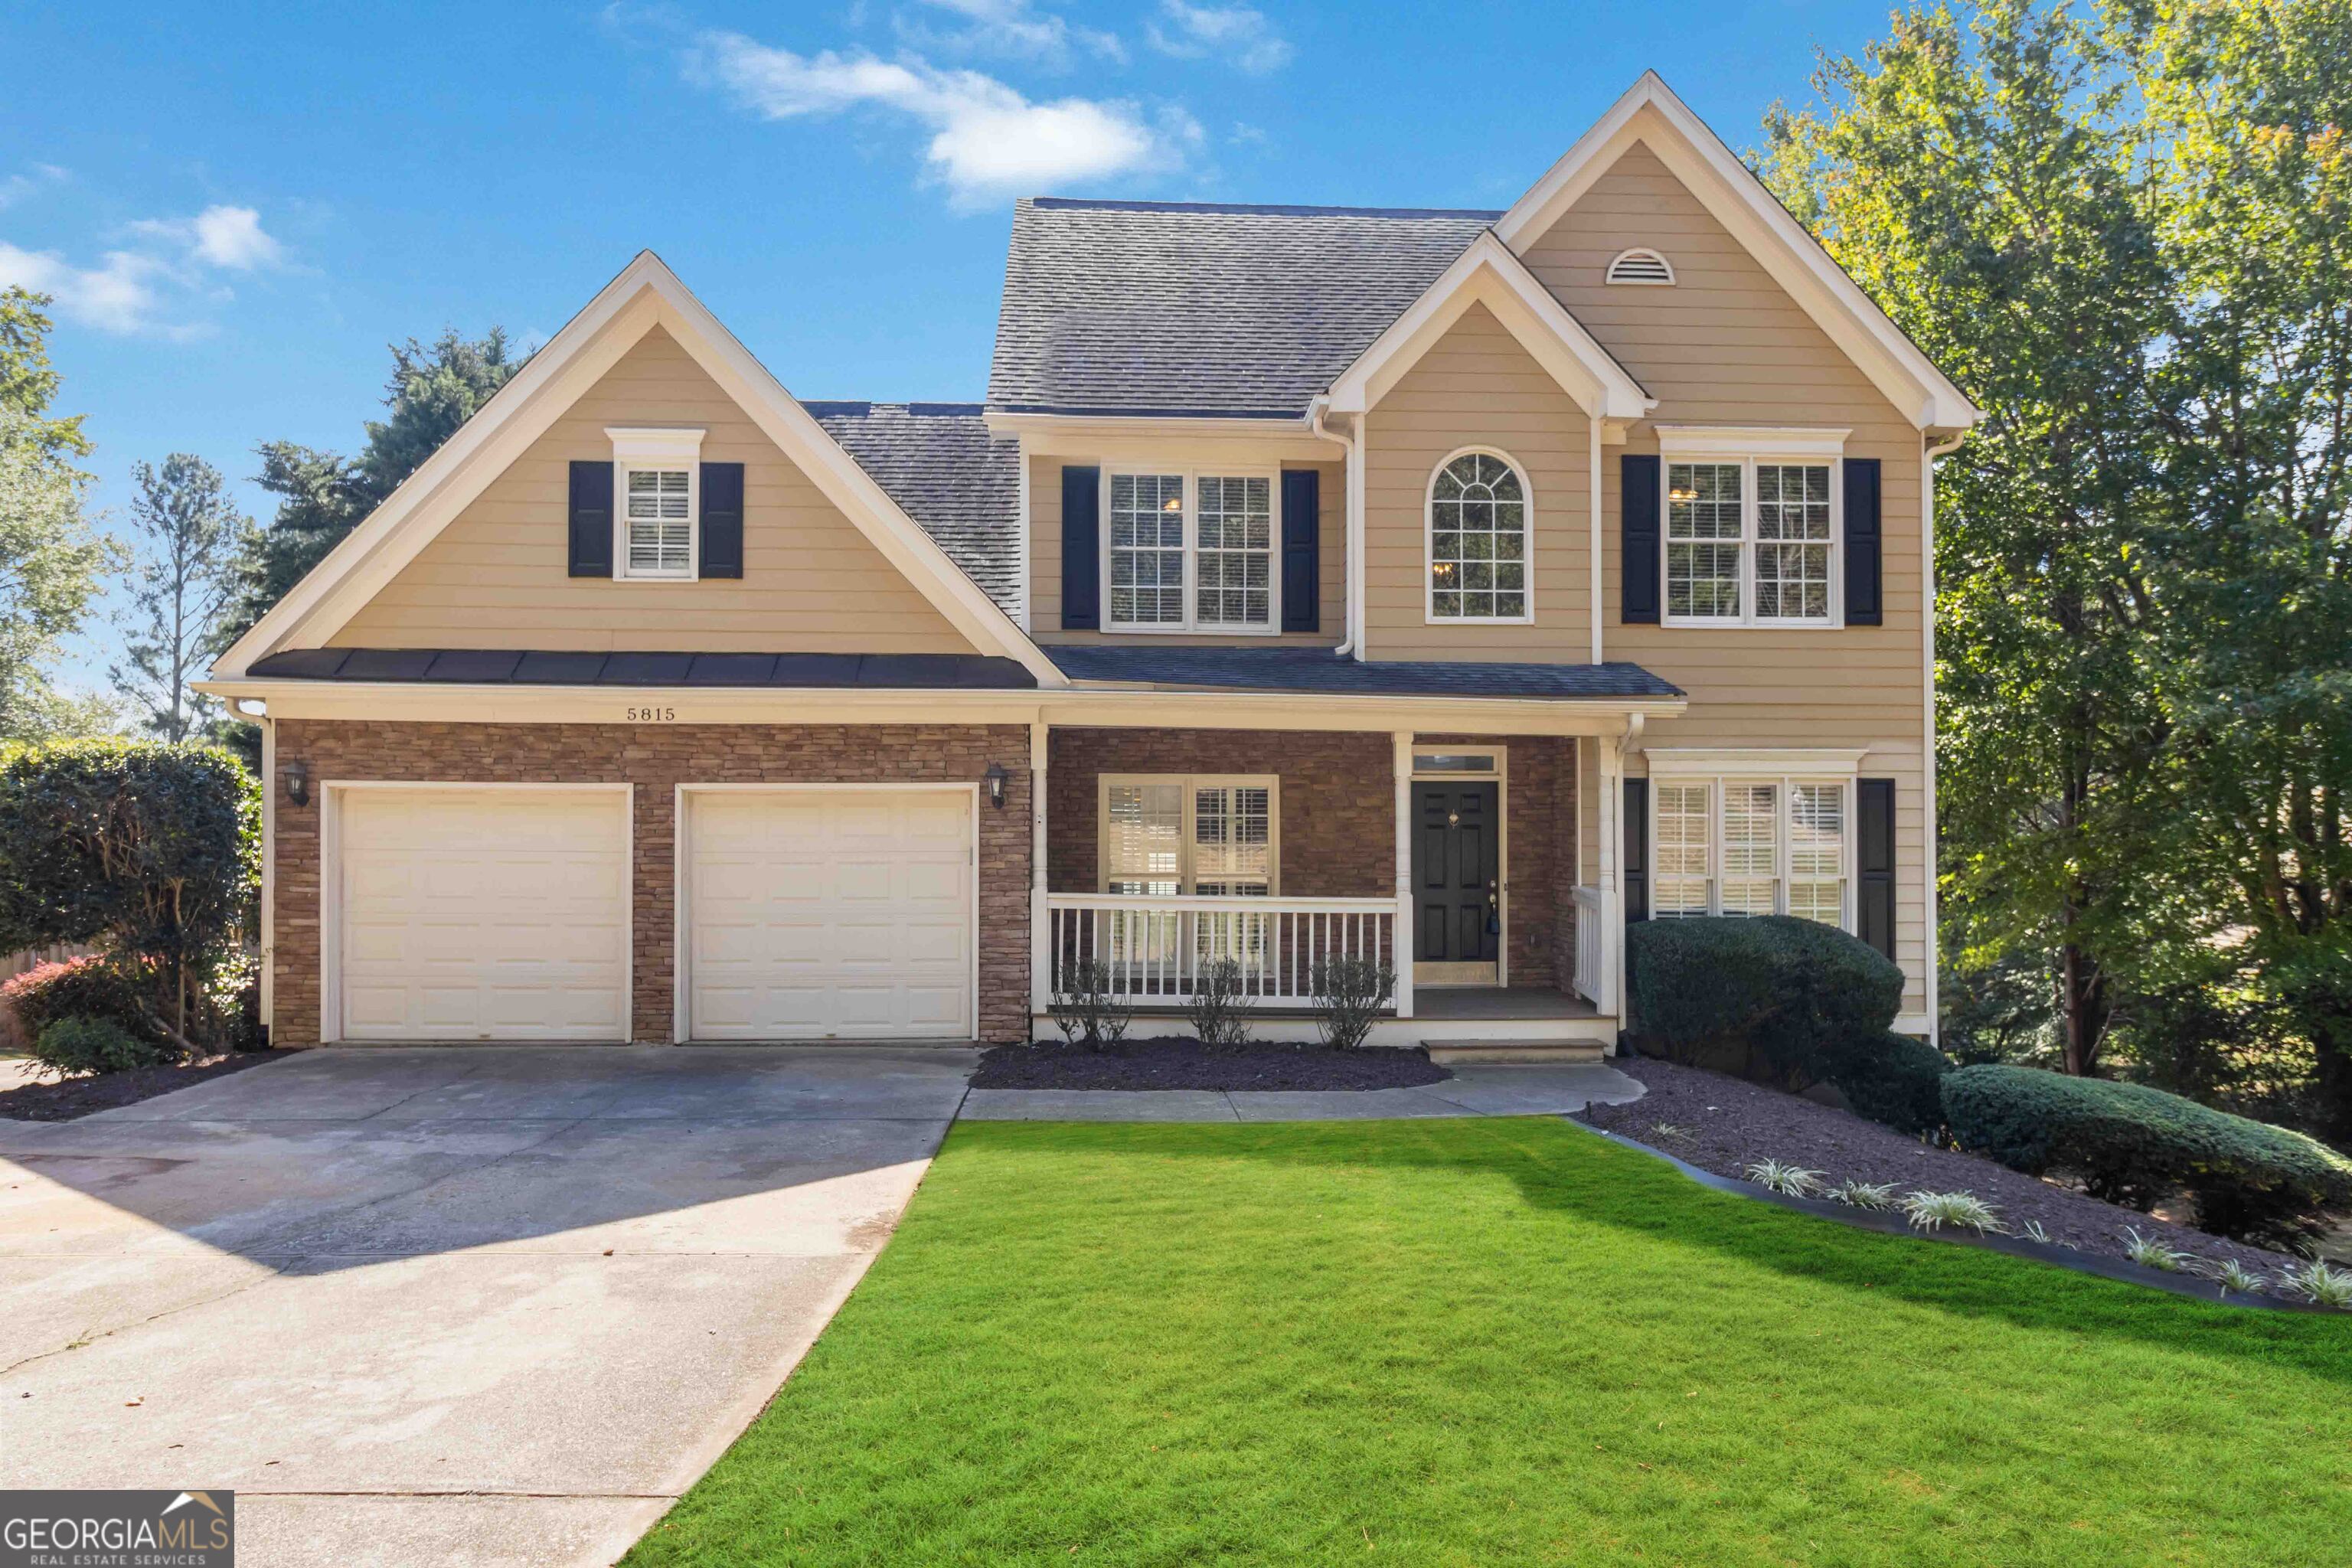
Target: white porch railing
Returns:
[[1596, 970], [1156, 947]]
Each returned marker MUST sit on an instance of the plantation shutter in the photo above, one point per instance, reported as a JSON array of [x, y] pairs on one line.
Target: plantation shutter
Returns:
[[1301, 550], [1637, 850], [1862, 543], [722, 519], [1637, 560], [591, 520], [1081, 549], [1875, 863]]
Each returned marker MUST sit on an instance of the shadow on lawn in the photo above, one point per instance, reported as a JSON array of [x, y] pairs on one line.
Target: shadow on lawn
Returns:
[[1576, 1173]]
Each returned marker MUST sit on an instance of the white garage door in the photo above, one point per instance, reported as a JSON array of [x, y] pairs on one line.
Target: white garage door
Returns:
[[829, 914], [483, 914]]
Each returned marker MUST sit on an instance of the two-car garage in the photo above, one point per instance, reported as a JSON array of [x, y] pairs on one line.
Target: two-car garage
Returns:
[[457, 913]]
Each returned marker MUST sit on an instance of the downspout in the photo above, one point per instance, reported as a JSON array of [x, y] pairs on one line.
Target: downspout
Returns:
[[1928, 684], [1592, 423], [1353, 480]]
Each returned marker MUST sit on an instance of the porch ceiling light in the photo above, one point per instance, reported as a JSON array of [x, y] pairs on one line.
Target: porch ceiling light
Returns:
[[994, 778]]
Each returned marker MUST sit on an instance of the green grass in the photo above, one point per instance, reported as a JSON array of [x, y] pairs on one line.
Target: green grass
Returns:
[[1499, 1341]]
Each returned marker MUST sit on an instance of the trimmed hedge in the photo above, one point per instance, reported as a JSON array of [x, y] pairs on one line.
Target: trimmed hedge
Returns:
[[1786, 1003], [2134, 1145], [77, 1047], [1892, 1079], [92, 986]]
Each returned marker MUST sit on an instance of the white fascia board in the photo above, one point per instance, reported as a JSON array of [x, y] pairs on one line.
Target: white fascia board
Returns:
[[1750, 440], [647, 294], [1650, 113], [1488, 273], [1090, 434]]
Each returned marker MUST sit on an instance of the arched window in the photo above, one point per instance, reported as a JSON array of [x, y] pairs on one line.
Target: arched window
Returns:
[[1478, 530]]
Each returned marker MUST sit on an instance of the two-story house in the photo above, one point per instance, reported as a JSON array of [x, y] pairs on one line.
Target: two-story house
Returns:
[[1446, 587]]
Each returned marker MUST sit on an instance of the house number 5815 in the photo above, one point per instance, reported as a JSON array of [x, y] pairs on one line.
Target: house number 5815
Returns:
[[652, 715]]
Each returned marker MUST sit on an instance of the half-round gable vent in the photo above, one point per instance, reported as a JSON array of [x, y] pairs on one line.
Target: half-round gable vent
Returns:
[[1641, 265]]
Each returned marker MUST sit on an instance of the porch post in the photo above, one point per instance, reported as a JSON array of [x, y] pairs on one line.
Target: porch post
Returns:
[[1040, 935], [1401, 944], [1612, 918]]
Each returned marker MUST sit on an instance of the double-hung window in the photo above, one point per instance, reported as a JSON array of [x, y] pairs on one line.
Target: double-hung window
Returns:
[[1743, 845], [1189, 551], [656, 484], [1167, 835], [1751, 538]]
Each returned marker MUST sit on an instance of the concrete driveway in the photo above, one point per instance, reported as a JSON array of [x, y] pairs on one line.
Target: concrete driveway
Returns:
[[470, 1306]]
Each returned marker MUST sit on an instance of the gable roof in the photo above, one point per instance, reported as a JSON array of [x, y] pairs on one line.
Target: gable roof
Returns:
[[1489, 274], [1178, 309], [940, 463], [1650, 113], [645, 295]]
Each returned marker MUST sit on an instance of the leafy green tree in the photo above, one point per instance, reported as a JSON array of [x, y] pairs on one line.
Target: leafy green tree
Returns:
[[2248, 524], [28, 383], [322, 495], [188, 575], [1976, 178], [51, 560]]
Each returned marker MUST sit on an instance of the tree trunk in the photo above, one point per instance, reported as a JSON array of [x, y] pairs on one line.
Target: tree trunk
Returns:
[[2082, 1009]]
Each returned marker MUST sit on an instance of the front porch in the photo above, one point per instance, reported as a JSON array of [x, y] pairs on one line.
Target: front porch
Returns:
[[1478, 868]]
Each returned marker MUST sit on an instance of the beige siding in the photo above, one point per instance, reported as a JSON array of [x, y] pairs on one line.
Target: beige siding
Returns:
[[1725, 345], [1046, 563], [496, 577], [1476, 386]]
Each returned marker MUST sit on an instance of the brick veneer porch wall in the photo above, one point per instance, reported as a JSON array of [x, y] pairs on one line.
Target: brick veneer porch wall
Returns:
[[656, 759], [1338, 817]]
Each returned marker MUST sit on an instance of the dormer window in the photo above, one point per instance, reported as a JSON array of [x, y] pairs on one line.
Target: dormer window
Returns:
[[1188, 552], [1644, 266], [654, 478]]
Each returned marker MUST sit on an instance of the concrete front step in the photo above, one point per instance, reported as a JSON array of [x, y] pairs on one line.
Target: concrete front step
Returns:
[[1447, 1052]]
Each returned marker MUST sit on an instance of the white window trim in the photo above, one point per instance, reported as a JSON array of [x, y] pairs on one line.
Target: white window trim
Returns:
[[1192, 624], [1749, 447], [1187, 784], [1716, 768], [1429, 615], [656, 448]]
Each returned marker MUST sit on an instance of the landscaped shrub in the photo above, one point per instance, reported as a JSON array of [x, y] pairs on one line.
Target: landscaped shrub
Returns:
[[2134, 1145], [1085, 1005], [142, 847], [95, 987], [1219, 1006], [1786, 1003], [1891, 1079], [1349, 991], [77, 1047]]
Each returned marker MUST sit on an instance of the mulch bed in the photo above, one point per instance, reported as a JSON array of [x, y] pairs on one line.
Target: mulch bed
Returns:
[[63, 1101], [1725, 1123], [1177, 1061]]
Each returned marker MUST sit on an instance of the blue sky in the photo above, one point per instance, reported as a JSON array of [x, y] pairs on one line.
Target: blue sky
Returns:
[[239, 205]]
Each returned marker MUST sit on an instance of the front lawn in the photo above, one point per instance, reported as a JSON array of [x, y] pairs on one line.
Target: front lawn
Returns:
[[1490, 1341]]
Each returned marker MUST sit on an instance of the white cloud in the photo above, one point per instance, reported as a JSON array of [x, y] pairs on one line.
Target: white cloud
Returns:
[[17, 186], [121, 295], [987, 140], [224, 236], [1239, 35], [1007, 27]]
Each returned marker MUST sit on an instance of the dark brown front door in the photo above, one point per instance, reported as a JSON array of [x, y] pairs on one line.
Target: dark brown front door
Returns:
[[1456, 873]]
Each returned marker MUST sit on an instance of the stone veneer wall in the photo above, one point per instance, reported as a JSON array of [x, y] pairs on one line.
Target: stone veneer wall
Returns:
[[656, 759]]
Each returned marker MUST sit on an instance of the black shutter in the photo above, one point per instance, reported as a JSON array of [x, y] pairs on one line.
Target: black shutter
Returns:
[[1081, 549], [1637, 850], [1637, 561], [1862, 543], [591, 520], [1302, 553], [721, 553], [1875, 867]]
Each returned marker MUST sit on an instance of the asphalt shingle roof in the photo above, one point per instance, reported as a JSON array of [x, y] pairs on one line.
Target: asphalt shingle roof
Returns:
[[1174, 309], [939, 462], [1313, 669]]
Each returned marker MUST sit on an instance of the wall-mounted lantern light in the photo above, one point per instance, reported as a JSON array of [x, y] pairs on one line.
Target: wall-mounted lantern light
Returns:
[[298, 782], [994, 778]]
